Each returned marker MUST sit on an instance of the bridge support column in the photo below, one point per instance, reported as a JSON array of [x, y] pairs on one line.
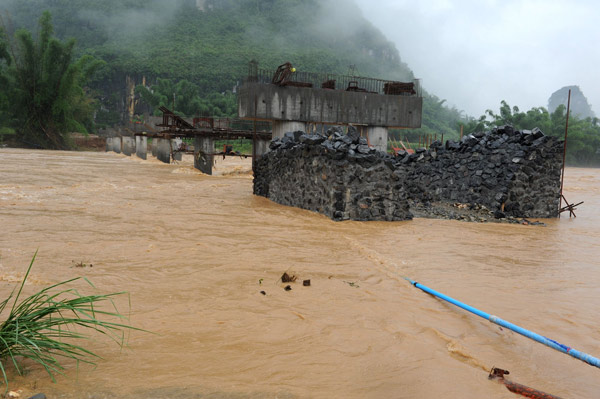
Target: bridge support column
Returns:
[[141, 147], [259, 148], [204, 147], [128, 145], [282, 127], [116, 144], [175, 143], [378, 137], [163, 150], [154, 146]]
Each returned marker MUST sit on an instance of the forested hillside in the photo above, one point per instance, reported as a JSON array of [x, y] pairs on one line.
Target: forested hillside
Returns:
[[211, 47], [206, 51]]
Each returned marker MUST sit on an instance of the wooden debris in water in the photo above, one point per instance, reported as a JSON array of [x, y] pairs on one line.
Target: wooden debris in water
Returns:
[[286, 278]]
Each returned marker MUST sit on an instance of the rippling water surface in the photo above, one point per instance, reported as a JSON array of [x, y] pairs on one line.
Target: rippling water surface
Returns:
[[194, 252]]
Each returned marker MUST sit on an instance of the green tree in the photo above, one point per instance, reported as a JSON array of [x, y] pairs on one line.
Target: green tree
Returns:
[[4, 82], [45, 85], [4, 55], [583, 144], [476, 125], [181, 97], [186, 99], [437, 120]]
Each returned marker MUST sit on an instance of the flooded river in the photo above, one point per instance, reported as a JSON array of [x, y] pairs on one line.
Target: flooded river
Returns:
[[194, 252]]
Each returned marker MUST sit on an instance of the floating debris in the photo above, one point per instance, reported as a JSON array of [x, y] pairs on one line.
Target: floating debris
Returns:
[[286, 278], [530, 223], [498, 374], [81, 264]]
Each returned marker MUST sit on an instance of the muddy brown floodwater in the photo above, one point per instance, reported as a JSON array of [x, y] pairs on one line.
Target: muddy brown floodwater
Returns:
[[194, 252]]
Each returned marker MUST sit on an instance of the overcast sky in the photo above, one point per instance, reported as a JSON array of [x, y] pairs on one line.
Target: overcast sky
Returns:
[[475, 53]]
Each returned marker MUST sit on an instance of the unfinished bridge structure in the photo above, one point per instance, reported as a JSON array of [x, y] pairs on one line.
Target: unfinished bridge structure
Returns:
[[293, 100], [177, 134], [272, 103]]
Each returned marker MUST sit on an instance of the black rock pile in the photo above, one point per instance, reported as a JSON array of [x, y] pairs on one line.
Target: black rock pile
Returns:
[[338, 145], [512, 173], [337, 175]]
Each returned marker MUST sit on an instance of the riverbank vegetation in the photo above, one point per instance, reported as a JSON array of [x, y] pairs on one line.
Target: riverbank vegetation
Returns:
[[44, 96], [583, 135], [46, 326], [185, 98]]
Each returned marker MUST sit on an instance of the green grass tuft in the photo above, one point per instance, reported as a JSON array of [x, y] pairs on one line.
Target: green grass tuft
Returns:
[[47, 326]]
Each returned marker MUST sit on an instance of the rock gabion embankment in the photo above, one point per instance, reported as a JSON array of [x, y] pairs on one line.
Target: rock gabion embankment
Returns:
[[510, 173], [337, 175]]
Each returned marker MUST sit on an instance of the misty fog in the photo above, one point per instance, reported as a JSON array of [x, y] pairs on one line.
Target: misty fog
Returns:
[[471, 53], [477, 53]]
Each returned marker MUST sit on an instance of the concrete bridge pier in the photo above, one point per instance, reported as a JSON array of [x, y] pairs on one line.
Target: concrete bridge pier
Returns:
[[163, 150], [175, 143], [109, 144], [378, 137], [141, 147], [204, 147], [259, 148], [282, 127], [128, 145], [154, 146], [116, 144]]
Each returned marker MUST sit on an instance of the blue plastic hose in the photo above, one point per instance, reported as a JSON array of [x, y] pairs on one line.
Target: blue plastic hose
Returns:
[[520, 330]]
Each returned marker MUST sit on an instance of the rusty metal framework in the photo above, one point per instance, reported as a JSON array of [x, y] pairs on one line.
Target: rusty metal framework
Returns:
[[286, 75], [399, 88], [172, 121], [569, 207], [231, 124], [216, 128]]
